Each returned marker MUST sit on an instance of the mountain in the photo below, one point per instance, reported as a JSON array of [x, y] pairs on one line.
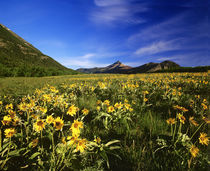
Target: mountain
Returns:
[[118, 67], [153, 67], [20, 58]]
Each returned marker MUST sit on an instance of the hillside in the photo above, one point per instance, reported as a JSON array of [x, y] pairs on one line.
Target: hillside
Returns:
[[154, 67], [20, 58], [118, 67]]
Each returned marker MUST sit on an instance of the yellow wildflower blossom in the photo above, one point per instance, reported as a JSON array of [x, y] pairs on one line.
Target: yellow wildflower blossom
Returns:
[[9, 132], [9, 106], [75, 128], [203, 139], [16, 121], [97, 140], [6, 120], [107, 102], [118, 105], [98, 108], [81, 145], [181, 118], [194, 150], [50, 119], [171, 121], [205, 107], [12, 113], [58, 123], [85, 111], [191, 119], [72, 140], [72, 110], [34, 142], [39, 125], [110, 109]]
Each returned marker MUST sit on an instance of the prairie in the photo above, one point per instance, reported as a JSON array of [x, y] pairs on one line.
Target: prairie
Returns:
[[105, 122]]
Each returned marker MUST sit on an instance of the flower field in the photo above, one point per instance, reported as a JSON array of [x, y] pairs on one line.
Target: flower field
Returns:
[[108, 122]]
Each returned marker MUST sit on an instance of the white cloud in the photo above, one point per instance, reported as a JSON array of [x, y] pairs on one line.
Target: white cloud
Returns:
[[87, 56], [104, 3], [156, 47], [84, 61], [112, 12]]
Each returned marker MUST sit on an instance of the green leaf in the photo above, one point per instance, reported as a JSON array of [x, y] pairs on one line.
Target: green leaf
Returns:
[[111, 142], [34, 155]]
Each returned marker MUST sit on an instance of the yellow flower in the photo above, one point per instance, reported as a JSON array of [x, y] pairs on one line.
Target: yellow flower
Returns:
[[23, 106], [107, 102], [145, 99], [206, 120], [6, 120], [9, 132], [203, 139], [127, 106], [205, 107], [126, 101], [97, 140], [58, 123], [191, 119], [43, 110], [118, 105], [73, 140], [12, 113], [81, 145], [181, 118], [110, 109], [98, 108], [1, 102], [39, 125], [72, 110], [63, 140], [34, 142], [16, 121], [50, 119], [85, 111], [98, 102], [171, 121], [194, 151], [75, 128], [9, 106]]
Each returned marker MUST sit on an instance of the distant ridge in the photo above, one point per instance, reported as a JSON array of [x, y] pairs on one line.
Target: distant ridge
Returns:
[[20, 58], [120, 68]]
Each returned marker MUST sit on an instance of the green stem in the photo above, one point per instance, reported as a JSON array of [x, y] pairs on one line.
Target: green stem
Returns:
[[7, 154], [0, 139], [174, 132], [197, 130], [42, 149], [171, 130]]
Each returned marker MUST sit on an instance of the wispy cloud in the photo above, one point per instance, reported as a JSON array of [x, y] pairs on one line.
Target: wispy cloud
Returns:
[[176, 33], [156, 47], [113, 12], [85, 61]]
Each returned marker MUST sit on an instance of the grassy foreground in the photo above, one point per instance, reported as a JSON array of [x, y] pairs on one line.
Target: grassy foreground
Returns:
[[105, 122]]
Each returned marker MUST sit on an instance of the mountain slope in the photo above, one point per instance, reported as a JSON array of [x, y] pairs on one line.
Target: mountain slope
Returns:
[[153, 67], [118, 67], [17, 55]]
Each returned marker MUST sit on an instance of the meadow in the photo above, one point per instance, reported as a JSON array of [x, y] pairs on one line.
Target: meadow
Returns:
[[93, 122]]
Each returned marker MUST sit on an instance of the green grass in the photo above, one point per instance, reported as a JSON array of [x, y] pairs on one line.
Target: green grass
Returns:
[[147, 142]]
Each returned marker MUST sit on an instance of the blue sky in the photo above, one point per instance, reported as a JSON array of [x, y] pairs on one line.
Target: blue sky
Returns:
[[90, 33]]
